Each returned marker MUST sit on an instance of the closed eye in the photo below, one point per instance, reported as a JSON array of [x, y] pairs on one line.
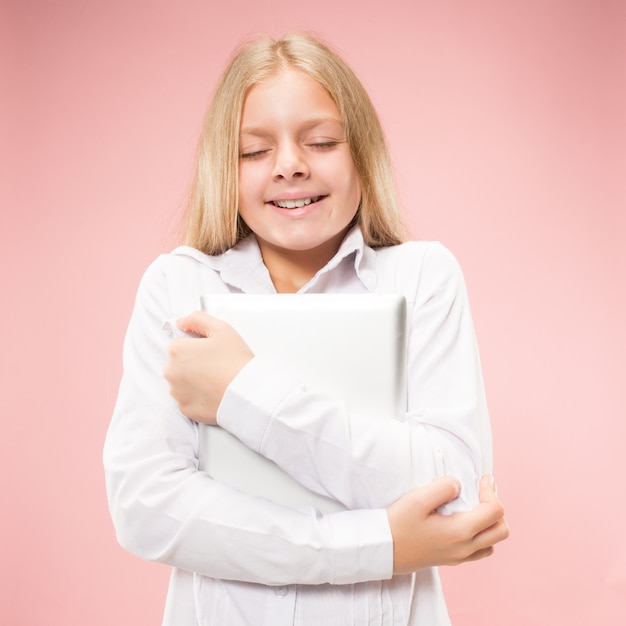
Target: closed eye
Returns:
[[325, 145], [255, 154]]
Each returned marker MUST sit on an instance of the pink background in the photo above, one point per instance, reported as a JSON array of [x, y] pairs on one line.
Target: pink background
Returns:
[[506, 121]]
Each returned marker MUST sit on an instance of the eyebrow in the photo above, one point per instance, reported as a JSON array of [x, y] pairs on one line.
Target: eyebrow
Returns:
[[308, 124]]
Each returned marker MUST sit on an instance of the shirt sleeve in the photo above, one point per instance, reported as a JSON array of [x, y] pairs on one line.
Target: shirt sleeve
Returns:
[[372, 462], [165, 509]]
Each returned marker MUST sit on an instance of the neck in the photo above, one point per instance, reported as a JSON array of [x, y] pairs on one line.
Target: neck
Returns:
[[290, 270]]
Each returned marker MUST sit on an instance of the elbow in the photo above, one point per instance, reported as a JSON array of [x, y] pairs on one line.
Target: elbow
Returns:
[[132, 528], [131, 531], [139, 519]]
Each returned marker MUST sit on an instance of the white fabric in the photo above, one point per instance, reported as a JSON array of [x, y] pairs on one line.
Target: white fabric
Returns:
[[242, 560]]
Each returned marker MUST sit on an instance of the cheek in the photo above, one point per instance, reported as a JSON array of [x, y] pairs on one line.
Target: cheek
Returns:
[[353, 188], [343, 177], [352, 184], [249, 185]]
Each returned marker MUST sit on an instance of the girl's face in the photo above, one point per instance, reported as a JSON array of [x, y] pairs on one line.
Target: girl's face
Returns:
[[298, 187]]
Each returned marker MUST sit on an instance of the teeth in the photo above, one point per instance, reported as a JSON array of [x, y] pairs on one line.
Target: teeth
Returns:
[[294, 204]]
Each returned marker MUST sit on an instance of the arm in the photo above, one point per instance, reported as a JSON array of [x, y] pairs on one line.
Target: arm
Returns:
[[422, 535], [370, 463], [164, 509]]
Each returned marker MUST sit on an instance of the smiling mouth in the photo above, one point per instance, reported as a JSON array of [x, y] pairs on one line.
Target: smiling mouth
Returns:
[[296, 204]]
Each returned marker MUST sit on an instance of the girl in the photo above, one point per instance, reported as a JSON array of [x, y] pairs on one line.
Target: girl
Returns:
[[293, 192]]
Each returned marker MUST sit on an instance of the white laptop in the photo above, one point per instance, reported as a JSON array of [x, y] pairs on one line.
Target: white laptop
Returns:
[[350, 346]]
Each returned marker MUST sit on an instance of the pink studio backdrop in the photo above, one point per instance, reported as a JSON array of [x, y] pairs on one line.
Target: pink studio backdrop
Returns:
[[506, 122]]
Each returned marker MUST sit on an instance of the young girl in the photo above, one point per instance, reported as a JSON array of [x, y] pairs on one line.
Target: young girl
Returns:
[[293, 192]]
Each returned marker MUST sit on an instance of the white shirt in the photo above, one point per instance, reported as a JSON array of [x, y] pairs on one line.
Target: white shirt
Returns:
[[240, 560]]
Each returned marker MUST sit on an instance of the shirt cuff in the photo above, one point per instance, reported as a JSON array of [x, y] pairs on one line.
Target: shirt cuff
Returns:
[[252, 397], [363, 546]]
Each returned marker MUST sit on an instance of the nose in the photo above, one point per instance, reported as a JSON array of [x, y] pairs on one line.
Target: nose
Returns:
[[290, 162]]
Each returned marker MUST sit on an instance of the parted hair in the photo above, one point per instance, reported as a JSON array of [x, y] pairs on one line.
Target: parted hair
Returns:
[[213, 223]]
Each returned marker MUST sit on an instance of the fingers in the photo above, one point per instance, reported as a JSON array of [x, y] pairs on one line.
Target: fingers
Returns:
[[488, 517], [495, 533], [202, 365], [486, 521], [487, 490], [423, 537], [439, 492], [489, 510], [199, 323], [479, 554]]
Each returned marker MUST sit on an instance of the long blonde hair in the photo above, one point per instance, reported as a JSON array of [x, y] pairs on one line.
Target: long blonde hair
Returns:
[[213, 224]]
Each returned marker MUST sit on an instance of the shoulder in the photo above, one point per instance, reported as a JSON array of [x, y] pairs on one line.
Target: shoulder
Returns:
[[181, 262], [176, 280], [417, 266], [431, 253]]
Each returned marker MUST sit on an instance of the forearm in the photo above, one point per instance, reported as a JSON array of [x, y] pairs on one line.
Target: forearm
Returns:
[[362, 462], [165, 510], [370, 461]]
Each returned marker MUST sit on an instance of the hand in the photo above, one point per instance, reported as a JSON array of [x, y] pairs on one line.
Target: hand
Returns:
[[199, 369], [424, 538]]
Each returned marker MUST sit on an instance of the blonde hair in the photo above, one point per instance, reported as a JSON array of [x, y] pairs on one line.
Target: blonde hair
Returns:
[[213, 224]]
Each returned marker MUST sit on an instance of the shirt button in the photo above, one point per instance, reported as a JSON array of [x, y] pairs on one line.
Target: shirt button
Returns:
[[281, 591]]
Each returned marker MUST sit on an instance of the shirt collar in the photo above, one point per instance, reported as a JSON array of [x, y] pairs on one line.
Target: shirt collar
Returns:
[[242, 265]]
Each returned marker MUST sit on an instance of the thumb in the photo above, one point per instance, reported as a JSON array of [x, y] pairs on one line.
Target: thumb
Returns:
[[439, 492], [198, 323], [488, 491]]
